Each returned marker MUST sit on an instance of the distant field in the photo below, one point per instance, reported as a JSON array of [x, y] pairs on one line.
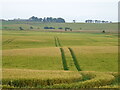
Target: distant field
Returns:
[[12, 25], [36, 39], [59, 59]]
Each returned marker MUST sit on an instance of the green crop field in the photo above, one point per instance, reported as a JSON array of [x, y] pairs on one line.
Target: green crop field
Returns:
[[42, 58], [14, 25]]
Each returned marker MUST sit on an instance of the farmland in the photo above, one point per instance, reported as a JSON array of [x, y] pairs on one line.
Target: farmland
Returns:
[[42, 58]]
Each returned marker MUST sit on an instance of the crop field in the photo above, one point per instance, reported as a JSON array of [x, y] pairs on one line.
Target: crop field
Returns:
[[54, 59], [14, 25]]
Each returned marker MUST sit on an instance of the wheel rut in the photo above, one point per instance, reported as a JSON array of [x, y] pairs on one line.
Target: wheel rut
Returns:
[[63, 55]]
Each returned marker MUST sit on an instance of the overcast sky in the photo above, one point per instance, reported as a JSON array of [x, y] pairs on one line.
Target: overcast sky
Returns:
[[78, 10]]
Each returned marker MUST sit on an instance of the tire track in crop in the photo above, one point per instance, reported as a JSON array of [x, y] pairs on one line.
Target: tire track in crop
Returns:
[[64, 59], [65, 66], [75, 59], [92, 39], [58, 44], [8, 41], [55, 41], [69, 60]]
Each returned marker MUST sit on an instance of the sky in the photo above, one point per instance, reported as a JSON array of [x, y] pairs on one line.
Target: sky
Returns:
[[70, 10]]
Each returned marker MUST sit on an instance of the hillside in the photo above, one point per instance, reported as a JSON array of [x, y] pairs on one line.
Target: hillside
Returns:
[[12, 25]]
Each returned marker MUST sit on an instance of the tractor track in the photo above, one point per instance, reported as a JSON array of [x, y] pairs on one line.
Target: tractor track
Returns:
[[8, 41], [64, 61]]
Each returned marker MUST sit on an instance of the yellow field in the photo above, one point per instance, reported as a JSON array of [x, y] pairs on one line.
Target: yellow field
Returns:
[[53, 51], [37, 59], [39, 74]]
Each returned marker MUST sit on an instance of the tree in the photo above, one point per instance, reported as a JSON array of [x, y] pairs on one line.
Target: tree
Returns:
[[103, 31], [46, 27], [86, 21], [51, 28], [67, 28], [44, 20], [40, 19], [90, 21], [60, 28], [110, 21], [60, 20], [103, 21], [73, 21], [96, 21], [31, 27], [33, 18], [54, 20], [47, 19], [21, 28], [70, 29]]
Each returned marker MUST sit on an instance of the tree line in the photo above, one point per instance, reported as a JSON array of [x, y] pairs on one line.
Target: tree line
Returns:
[[45, 19], [97, 21]]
